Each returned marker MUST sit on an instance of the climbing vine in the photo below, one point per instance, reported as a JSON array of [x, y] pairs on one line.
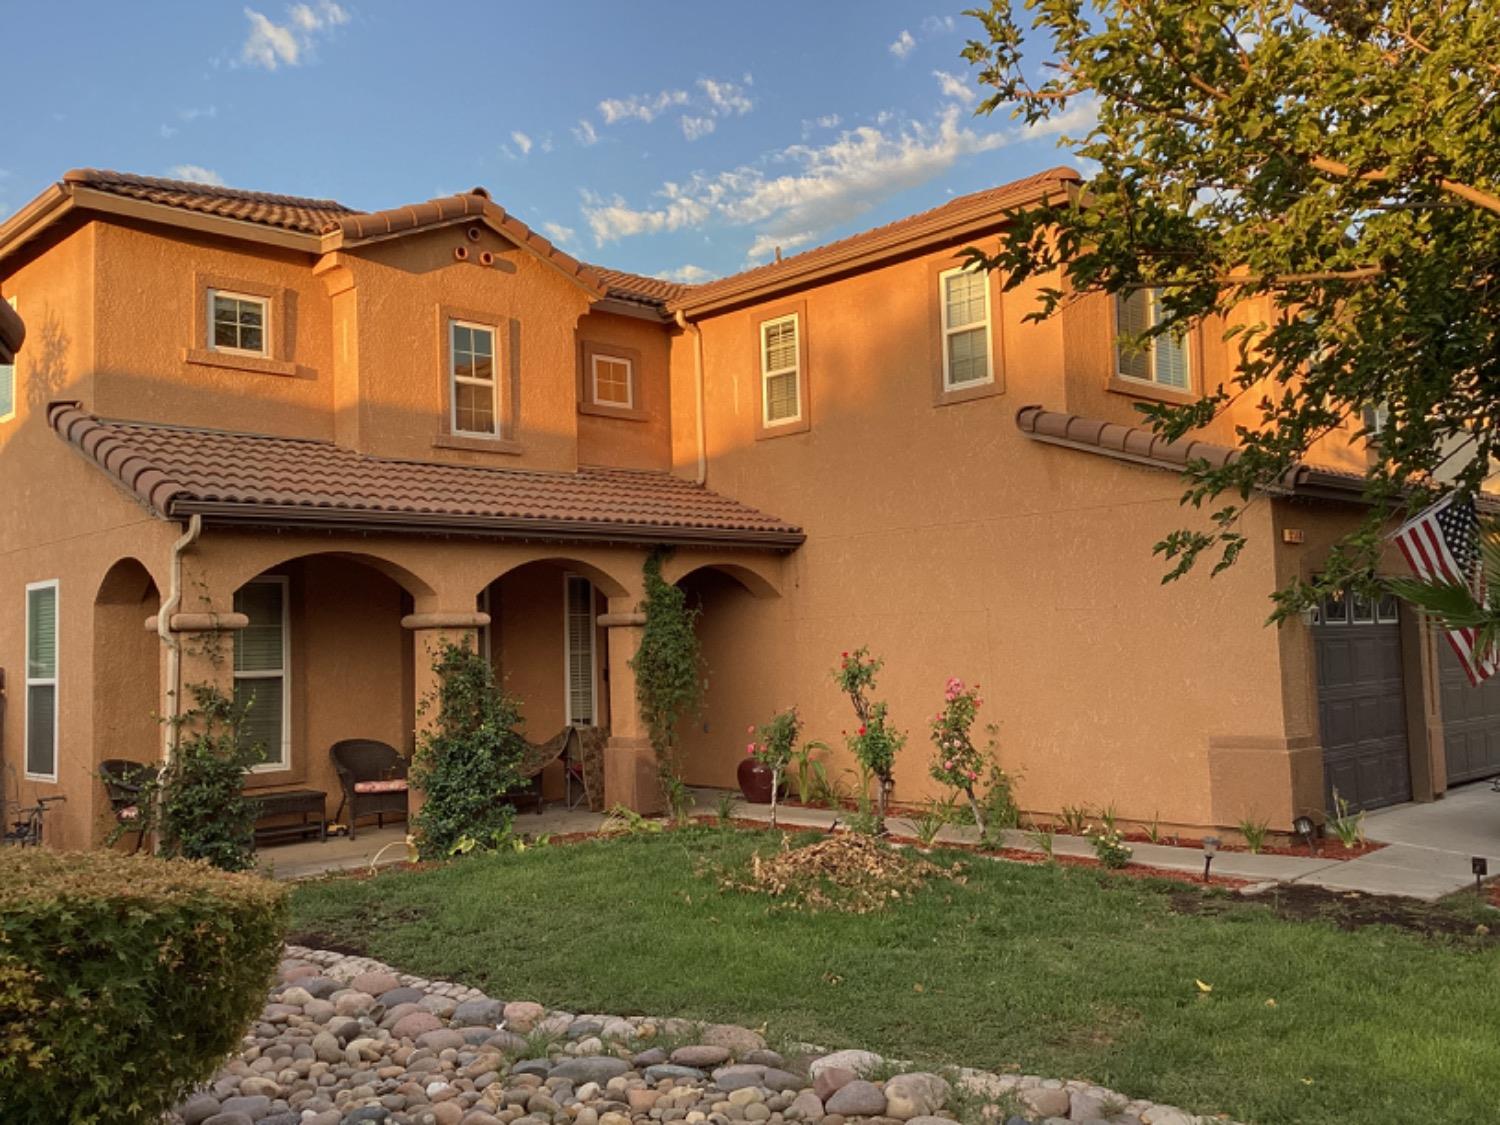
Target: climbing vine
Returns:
[[668, 681]]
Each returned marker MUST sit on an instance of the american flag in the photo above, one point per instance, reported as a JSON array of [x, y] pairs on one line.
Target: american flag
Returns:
[[1442, 545]]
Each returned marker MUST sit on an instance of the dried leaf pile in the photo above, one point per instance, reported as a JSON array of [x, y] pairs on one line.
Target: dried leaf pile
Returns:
[[850, 873]]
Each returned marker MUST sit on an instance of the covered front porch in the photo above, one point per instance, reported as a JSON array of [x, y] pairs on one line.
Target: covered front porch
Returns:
[[316, 588]]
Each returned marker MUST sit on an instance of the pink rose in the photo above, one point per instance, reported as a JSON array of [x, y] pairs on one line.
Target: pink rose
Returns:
[[750, 749], [948, 765]]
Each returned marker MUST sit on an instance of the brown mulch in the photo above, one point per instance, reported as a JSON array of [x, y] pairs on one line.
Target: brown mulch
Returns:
[[850, 873]]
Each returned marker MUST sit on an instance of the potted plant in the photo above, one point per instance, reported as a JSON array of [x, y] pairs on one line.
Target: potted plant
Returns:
[[767, 757]]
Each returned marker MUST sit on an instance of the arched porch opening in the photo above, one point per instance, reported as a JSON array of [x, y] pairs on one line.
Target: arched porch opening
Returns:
[[126, 680], [742, 668]]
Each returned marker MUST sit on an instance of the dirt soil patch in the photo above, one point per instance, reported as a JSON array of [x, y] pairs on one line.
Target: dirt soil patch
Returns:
[[1348, 910]]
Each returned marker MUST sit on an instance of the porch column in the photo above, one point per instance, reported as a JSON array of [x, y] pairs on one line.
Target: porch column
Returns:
[[430, 632], [630, 767], [203, 643]]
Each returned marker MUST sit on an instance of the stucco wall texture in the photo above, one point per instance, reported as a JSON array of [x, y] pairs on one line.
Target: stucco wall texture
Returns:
[[938, 534]]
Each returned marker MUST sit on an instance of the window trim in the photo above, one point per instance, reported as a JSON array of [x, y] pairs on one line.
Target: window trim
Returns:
[[43, 681], [948, 331], [943, 395], [284, 762], [493, 382], [802, 422], [588, 351], [629, 403], [1152, 387], [568, 578], [11, 367], [212, 293], [275, 360], [506, 388]]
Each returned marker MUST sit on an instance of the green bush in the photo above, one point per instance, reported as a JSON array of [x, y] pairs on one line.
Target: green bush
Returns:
[[468, 759], [124, 980]]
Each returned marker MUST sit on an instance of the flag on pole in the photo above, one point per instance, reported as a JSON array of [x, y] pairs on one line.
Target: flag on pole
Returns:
[[1442, 545]]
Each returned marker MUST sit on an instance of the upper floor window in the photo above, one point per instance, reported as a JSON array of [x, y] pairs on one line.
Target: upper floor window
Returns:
[[780, 371], [238, 323], [41, 681], [965, 299], [1164, 360], [612, 379], [471, 351], [8, 386]]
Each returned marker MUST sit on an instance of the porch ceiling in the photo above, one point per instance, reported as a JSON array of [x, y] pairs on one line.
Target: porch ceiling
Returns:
[[260, 479]]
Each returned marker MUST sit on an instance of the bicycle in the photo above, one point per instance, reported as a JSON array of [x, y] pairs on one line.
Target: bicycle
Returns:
[[26, 832]]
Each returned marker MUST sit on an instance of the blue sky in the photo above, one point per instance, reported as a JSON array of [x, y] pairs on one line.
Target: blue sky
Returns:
[[673, 139]]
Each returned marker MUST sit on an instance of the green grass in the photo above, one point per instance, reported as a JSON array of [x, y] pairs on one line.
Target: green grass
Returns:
[[1056, 971]]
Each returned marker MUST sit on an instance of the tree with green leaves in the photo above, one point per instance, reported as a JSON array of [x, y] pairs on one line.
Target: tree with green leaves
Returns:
[[1338, 164]]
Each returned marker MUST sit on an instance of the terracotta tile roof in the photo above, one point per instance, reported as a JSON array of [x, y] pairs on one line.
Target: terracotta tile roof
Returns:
[[288, 212], [291, 482], [645, 290], [990, 201], [1146, 447]]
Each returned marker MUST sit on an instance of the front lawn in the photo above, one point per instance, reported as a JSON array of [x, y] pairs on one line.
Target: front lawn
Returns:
[[1053, 971]]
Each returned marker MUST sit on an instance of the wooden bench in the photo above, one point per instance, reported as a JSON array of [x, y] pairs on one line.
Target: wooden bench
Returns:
[[311, 804]]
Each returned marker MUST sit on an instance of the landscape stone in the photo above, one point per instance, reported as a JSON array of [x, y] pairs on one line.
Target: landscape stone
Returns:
[[782, 1080], [522, 1015], [477, 1013], [198, 1109], [737, 1040], [653, 1056], [806, 1106], [700, 1055], [402, 995], [539, 1067], [1048, 1103], [413, 1024], [915, 1095], [671, 1070], [597, 1068], [857, 1099], [374, 983], [230, 1119], [861, 1062], [831, 1078], [253, 1106]]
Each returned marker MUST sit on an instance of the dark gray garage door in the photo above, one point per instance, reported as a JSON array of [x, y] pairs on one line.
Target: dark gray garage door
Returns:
[[1471, 720], [1360, 707]]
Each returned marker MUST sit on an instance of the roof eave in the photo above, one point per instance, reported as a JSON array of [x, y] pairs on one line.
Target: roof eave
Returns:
[[978, 219], [299, 517], [32, 220]]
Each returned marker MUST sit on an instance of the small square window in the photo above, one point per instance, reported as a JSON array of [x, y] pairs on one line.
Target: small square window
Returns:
[[237, 323], [613, 381]]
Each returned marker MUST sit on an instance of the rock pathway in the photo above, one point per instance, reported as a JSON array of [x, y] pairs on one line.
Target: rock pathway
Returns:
[[346, 1040]]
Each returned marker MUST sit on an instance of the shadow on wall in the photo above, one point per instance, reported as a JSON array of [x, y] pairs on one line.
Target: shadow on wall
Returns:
[[44, 366]]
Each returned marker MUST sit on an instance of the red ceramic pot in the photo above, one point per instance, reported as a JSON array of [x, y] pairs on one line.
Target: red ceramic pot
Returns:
[[755, 781]]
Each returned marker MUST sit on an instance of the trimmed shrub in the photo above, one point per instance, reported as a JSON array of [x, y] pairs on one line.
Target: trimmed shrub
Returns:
[[124, 980]]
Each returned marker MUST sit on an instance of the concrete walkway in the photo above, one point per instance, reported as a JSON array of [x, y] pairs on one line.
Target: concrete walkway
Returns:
[[1427, 854]]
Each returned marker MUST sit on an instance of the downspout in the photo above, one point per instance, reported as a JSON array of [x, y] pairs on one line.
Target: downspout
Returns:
[[169, 638], [687, 326]]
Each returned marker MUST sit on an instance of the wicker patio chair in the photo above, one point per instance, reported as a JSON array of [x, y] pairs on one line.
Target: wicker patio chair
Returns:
[[373, 777], [126, 783]]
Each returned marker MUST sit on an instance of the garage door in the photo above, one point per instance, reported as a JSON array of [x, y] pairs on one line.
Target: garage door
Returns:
[[1471, 720], [1361, 709]]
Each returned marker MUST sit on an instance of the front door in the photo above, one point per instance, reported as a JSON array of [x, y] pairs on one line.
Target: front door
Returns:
[[1471, 720], [1361, 708]]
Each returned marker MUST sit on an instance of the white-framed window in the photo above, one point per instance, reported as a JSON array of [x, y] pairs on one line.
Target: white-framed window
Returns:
[[8, 385], [471, 352], [967, 356], [261, 674], [780, 371], [41, 681], [612, 380], [238, 323], [1347, 606], [1164, 360], [582, 662]]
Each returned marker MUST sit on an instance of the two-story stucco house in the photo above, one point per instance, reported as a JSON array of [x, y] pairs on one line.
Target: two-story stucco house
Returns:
[[329, 439]]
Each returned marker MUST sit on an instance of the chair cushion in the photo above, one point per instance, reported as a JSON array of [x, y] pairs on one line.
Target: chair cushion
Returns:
[[395, 785]]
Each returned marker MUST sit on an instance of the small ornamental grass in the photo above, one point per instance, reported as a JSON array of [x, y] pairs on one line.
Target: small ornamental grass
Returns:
[[124, 980]]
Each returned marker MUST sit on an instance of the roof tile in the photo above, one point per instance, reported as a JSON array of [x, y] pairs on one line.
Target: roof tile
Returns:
[[176, 470]]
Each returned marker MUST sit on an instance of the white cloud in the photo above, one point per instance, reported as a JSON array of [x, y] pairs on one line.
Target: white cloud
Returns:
[[559, 233], [824, 185], [937, 25], [953, 86], [585, 133], [695, 127], [196, 173], [192, 113], [688, 274], [169, 131], [641, 107], [904, 45], [766, 245], [725, 98], [522, 141], [271, 45]]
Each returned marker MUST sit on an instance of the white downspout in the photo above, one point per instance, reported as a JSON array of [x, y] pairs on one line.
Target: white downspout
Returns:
[[170, 639], [687, 326]]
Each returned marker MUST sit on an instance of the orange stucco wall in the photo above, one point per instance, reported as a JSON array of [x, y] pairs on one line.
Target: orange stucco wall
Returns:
[[938, 534]]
